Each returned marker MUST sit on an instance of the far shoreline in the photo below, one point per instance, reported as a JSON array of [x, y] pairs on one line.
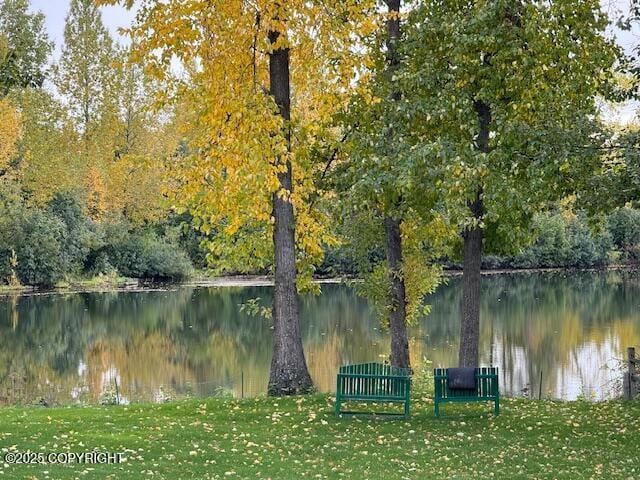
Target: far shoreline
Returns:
[[229, 281]]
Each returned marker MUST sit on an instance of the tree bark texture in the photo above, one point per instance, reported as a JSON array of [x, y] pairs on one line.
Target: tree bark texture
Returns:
[[471, 284], [468, 355], [398, 314], [289, 374], [393, 239]]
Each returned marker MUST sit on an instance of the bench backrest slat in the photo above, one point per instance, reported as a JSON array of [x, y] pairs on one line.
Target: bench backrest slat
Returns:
[[486, 384], [374, 369], [373, 380]]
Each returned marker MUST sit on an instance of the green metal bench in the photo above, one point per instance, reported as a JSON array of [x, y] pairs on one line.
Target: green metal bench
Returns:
[[373, 382], [486, 389]]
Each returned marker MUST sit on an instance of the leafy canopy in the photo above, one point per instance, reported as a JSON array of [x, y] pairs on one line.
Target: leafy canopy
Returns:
[[9, 133], [24, 63], [237, 143], [538, 67]]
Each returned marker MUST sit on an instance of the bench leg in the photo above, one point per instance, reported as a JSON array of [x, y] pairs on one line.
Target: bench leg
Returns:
[[406, 408], [497, 406], [338, 390], [437, 408]]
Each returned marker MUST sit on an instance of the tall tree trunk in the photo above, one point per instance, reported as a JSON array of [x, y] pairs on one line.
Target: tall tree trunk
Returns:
[[471, 279], [393, 239], [289, 374], [470, 308], [398, 314]]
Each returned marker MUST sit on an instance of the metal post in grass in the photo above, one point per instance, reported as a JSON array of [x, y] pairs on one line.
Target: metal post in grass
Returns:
[[241, 383], [631, 386], [540, 386]]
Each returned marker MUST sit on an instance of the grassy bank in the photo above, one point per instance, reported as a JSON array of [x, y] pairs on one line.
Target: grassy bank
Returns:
[[301, 438], [101, 281]]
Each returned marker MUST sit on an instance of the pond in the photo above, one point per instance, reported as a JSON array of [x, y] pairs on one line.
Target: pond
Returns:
[[560, 335]]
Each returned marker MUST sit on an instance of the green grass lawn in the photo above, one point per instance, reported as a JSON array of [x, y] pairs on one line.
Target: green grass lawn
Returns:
[[300, 437]]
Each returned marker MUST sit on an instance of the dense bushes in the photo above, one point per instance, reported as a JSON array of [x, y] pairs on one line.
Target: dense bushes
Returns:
[[42, 246], [78, 235], [57, 241], [624, 225], [36, 239], [560, 239], [337, 261], [564, 241], [139, 254]]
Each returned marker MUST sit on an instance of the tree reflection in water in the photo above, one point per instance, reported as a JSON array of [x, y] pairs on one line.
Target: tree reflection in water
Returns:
[[195, 341]]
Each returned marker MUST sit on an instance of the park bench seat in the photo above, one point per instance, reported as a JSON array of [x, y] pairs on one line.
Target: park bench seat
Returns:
[[486, 389], [373, 382]]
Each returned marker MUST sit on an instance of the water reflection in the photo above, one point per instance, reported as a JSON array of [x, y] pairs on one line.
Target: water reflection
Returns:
[[568, 329]]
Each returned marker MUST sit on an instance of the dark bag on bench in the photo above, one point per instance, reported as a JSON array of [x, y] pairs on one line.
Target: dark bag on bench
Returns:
[[463, 378]]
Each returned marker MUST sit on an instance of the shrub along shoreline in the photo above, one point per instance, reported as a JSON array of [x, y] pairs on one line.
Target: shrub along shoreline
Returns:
[[59, 245], [300, 437], [117, 283], [43, 246]]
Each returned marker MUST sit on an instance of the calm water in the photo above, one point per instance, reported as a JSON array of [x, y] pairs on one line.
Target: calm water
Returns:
[[571, 328]]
